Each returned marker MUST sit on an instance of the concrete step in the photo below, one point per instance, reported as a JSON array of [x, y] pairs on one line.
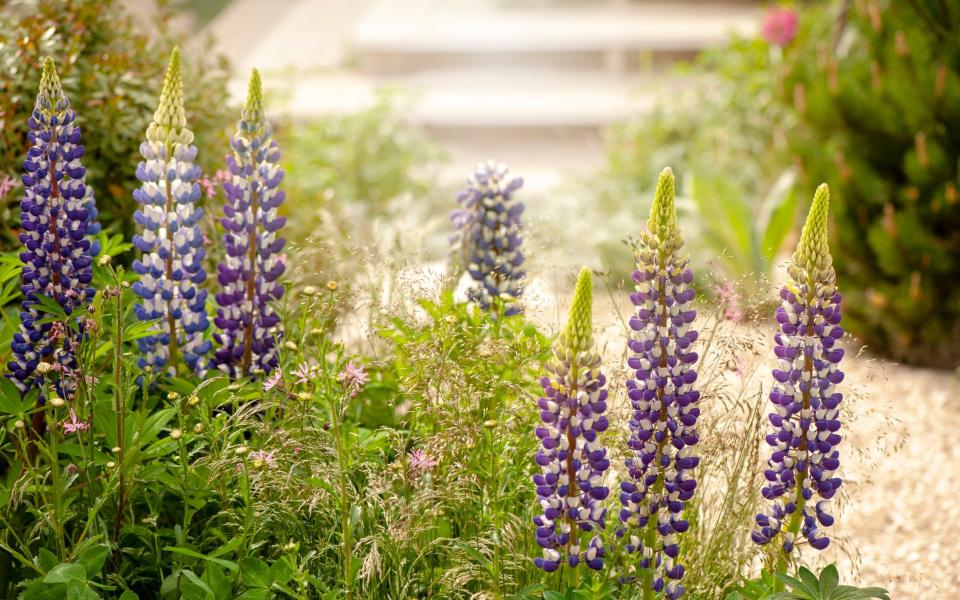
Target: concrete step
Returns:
[[480, 98], [399, 37]]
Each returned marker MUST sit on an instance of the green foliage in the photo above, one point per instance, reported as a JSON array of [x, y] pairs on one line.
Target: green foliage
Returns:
[[362, 162], [806, 586], [111, 72], [877, 93], [723, 131]]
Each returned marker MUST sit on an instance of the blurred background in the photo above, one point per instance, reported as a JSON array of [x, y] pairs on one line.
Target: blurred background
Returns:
[[383, 107]]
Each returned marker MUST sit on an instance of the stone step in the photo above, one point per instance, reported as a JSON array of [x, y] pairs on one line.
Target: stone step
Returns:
[[480, 98], [399, 37]]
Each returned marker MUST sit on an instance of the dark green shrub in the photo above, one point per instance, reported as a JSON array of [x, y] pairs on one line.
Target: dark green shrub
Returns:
[[876, 86], [112, 72]]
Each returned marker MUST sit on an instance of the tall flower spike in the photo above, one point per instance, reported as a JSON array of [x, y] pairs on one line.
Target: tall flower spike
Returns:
[[58, 215], [806, 415], [488, 238], [570, 486], [663, 429], [171, 267], [247, 323]]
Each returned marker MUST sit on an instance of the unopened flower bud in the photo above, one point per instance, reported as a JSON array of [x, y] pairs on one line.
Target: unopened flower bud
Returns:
[[176, 434]]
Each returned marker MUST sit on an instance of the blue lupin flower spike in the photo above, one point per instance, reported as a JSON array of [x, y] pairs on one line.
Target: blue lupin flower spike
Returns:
[[663, 430], [58, 216], [171, 266], [249, 275], [570, 485], [488, 237], [806, 405]]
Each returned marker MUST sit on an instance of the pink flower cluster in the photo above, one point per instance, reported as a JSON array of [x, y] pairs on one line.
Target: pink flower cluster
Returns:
[[780, 26]]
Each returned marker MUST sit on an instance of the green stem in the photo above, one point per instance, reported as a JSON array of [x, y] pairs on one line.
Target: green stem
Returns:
[[118, 409], [342, 459]]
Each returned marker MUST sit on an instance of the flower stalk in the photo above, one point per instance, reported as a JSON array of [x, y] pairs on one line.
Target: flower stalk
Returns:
[[801, 472], [58, 217], [663, 429], [171, 266], [570, 487], [488, 240], [247, 325]]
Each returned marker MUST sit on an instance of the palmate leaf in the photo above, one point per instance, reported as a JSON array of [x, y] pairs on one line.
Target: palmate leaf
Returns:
[[826, 586], [848, 592]]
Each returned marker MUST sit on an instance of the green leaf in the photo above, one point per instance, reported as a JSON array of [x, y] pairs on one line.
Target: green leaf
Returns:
[[10, 401], [65, 572], [194, 588], [254, 572], [829, 579], [281, 571], [93, 558], [128, 595], [48, 560], [810, 583], [218, 581], [254, 594], [226, 564], [847, 592], [79, 590], [778, 214]]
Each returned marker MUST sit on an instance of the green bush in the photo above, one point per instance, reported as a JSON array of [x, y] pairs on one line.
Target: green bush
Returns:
[[112, 73], [877, 90]]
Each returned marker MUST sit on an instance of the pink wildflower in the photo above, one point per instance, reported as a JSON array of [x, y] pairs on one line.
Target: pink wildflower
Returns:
[[75, 425], [780, 26], [6, 184], [302, 373], [730, 302], [352, 377], [262, 458], [209, 187], [420, 461], [271, 382]]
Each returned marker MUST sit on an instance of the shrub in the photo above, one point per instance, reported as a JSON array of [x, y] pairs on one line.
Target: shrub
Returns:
[[876, 88], [109, 68]]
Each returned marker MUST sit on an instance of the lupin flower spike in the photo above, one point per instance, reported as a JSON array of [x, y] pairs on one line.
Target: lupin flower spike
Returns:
[[663, 425], [171, 267], [249, 274], [570, 487], [488, 239], [58, 215], [806, 415]]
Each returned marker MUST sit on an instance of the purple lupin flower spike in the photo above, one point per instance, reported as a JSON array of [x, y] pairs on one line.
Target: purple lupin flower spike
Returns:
[[58, 216], [663, 430], [248, 326], [171, 267], [806, 415], [488, 239], [570, 487]]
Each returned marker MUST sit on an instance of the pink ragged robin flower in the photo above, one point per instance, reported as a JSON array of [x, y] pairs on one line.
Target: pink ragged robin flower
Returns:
[[420, 461], [302, 373], [75, 425], [352, 377], [261, 458], [273, 380]]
